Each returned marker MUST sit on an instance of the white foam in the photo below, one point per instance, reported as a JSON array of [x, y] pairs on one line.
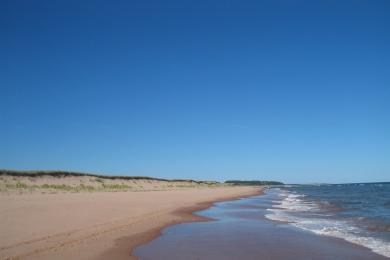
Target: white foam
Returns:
[[279, 215], [350, 234], [284, 211], [293, 203]]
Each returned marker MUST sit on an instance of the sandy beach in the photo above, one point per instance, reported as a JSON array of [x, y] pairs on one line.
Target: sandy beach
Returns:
[[97, 225]]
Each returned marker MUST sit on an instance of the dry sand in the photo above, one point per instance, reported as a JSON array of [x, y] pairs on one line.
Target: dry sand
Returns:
[[98, 225]]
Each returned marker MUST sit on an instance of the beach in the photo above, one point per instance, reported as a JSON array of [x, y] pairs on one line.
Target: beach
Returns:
[[195, 130], [98, 225], [66, 215]]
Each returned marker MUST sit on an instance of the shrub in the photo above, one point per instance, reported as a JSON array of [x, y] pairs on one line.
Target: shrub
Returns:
[[115, 186], [21, 185]]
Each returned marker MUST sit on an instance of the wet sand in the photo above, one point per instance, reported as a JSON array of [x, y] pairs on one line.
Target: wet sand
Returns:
[[240, 231], [101, 225]]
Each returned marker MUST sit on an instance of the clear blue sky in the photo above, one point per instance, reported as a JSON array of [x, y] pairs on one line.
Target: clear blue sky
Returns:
[[296, 91]]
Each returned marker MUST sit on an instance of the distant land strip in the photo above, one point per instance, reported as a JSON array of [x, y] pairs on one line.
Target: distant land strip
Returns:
[[253, 183]]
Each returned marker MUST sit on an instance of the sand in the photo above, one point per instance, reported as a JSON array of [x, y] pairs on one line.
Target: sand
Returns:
[[97, 225]]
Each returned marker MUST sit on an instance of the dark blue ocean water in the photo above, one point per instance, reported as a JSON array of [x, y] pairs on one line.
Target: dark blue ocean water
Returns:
[[358, 213]]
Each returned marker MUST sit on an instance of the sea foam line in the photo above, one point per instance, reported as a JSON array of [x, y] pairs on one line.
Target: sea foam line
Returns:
[[283, 211]]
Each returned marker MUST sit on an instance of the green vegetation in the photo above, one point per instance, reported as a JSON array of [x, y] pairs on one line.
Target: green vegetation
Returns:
[[99, 178], [116, 186], [21, 185], [56, 186], [64, 187], [18, 185], [33, 180], [253, 183], [85, 187]]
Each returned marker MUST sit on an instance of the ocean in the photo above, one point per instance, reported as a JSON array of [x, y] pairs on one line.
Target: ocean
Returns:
[[358, 213], [348, 221]]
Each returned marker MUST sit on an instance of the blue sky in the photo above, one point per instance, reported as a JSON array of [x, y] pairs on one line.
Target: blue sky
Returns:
[[296, 91]]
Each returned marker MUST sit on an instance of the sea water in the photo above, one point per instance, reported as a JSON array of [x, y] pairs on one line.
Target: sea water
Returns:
[[358, 213], [292, 222]]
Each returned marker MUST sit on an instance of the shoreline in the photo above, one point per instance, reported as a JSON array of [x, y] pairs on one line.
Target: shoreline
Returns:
[[90, 225], [126, 245], [236, 236]]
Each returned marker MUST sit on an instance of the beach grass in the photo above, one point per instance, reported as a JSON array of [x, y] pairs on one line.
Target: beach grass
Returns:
[[75, 182]]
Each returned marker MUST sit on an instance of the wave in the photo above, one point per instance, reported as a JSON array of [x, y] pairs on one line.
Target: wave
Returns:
[[308, 215]]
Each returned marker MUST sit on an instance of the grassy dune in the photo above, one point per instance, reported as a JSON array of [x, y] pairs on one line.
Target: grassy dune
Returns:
[[65, 181]]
